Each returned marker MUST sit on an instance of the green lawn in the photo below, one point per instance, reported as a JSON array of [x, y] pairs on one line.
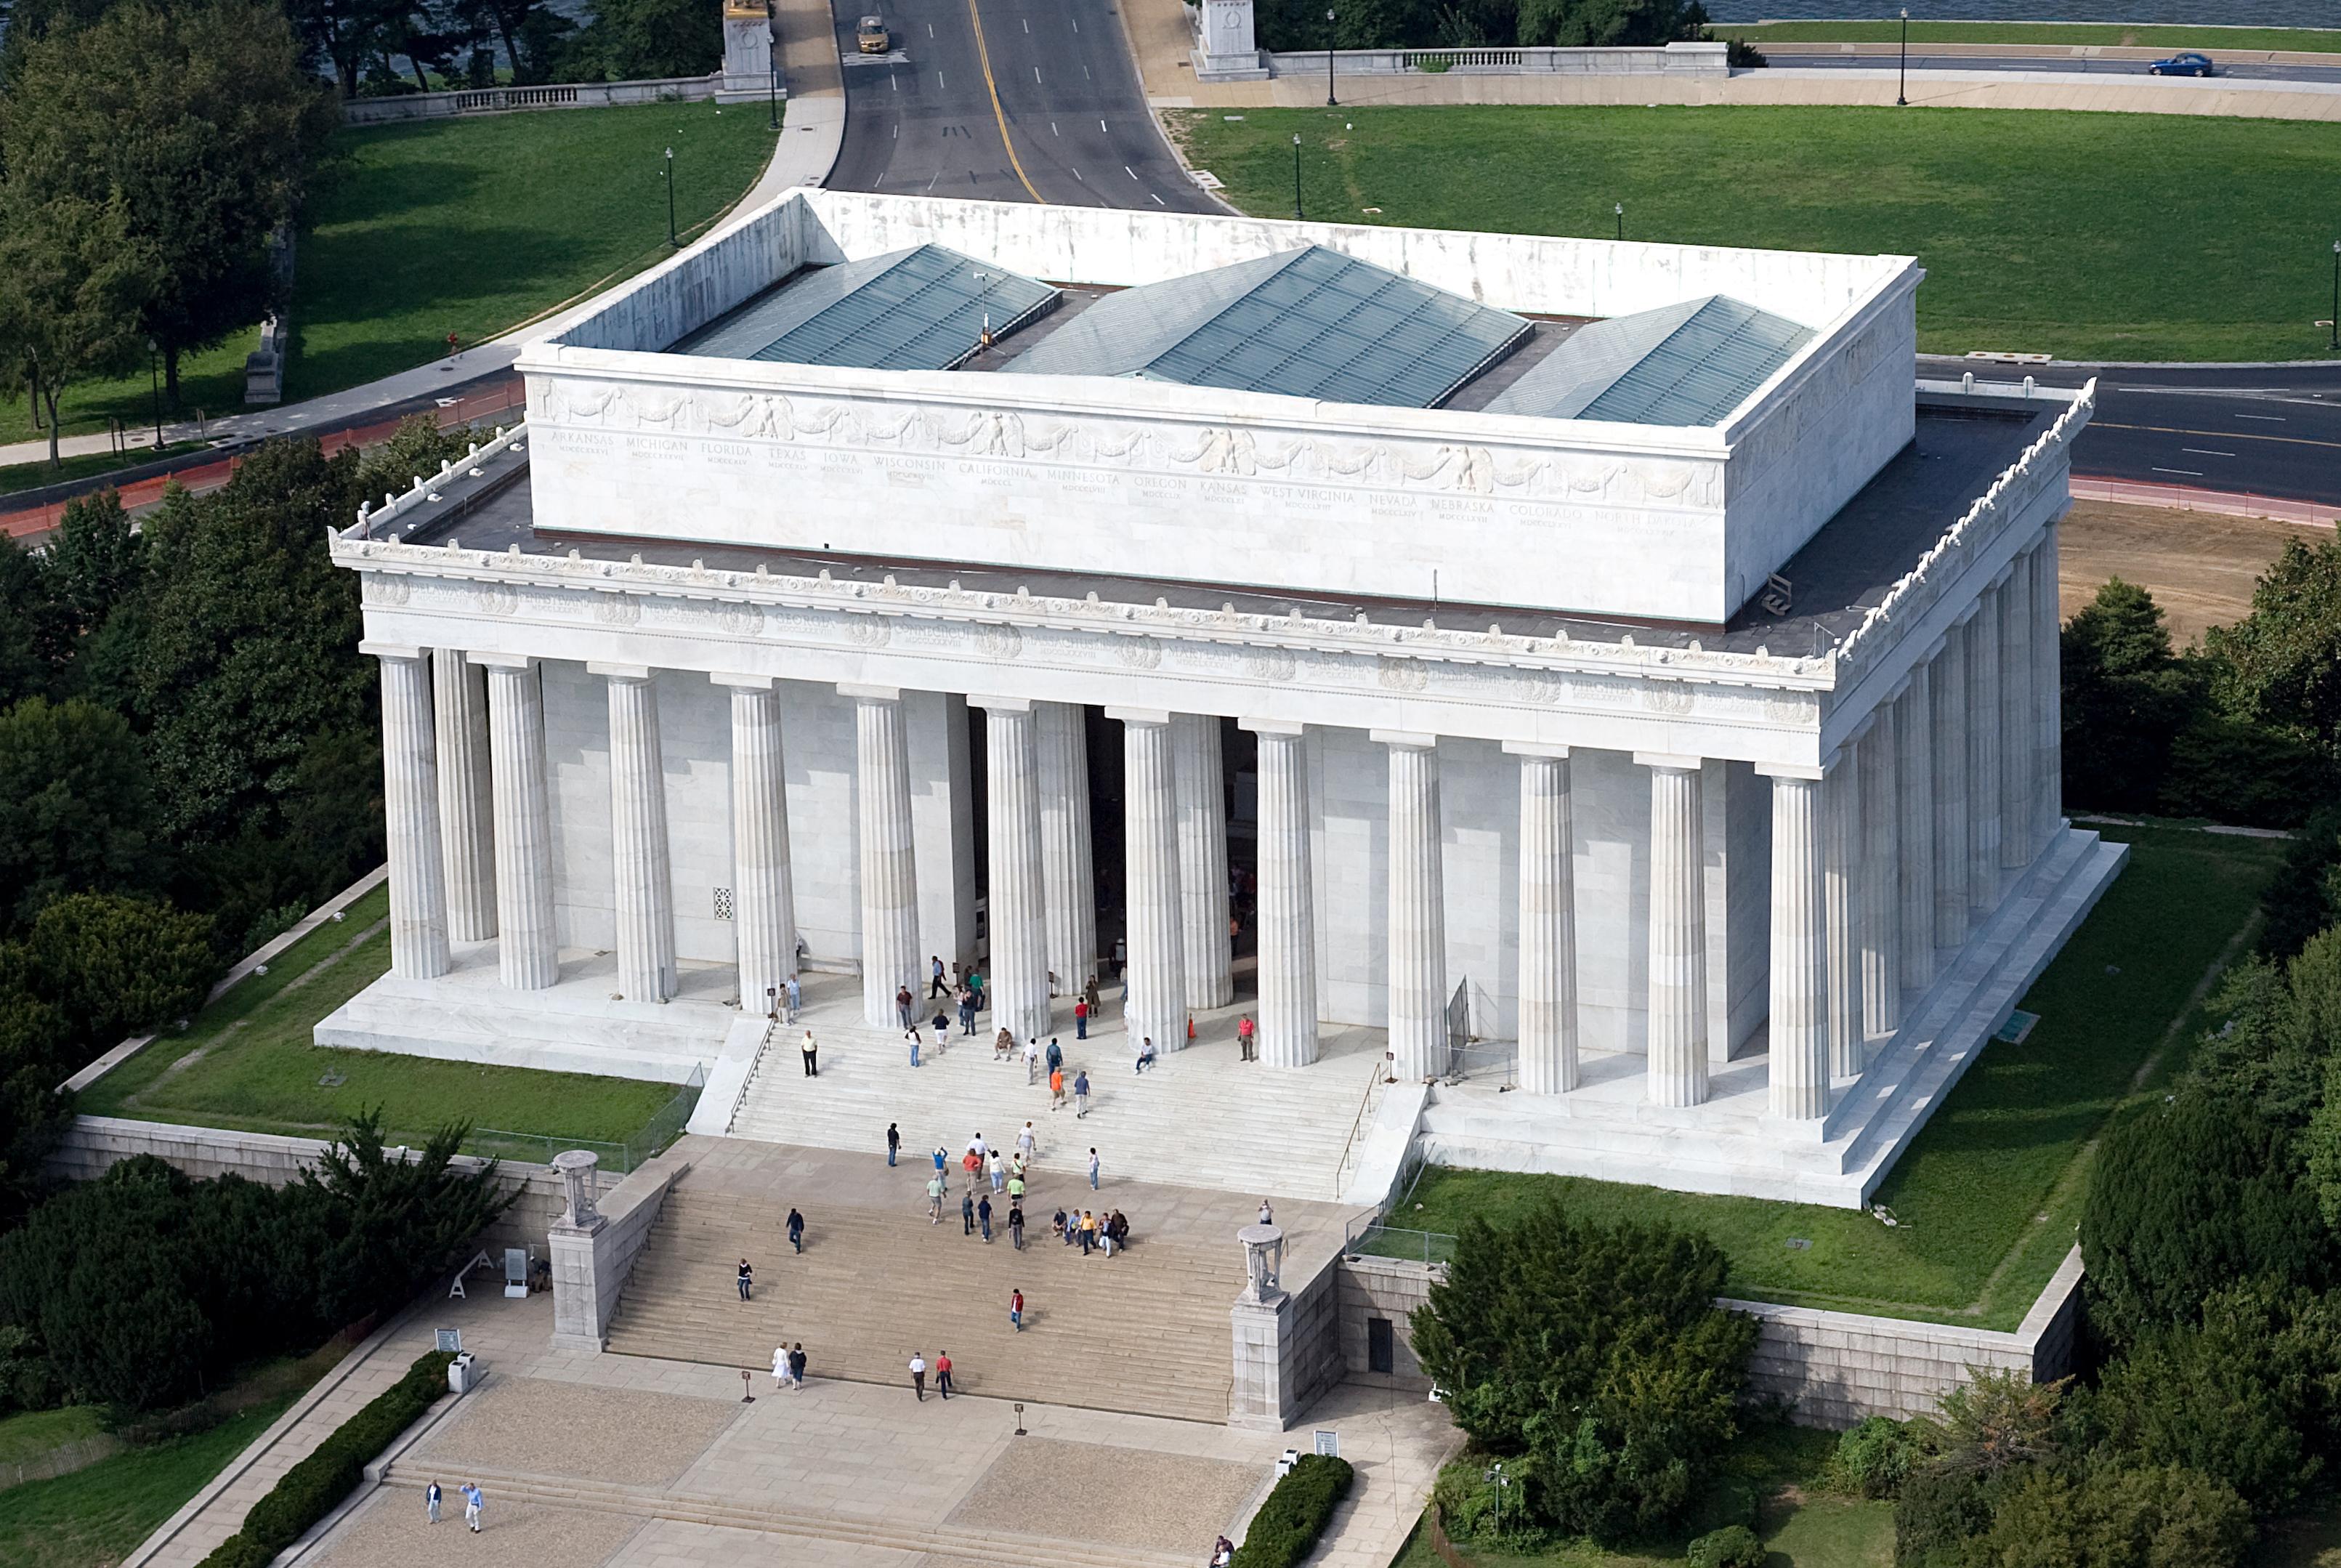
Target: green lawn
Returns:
[[94, 1517], [247, 1062], [33, 475], [2085, 236], [1989, 1192], [469, 226], [33, 1433], [2308, 40]]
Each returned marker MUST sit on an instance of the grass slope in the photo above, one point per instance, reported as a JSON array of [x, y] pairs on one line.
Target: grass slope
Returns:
[[247, 1062], [469, 226], [30, 1434], [1989, 1192], [2086, 235], [93, 1518], [2306, 40]]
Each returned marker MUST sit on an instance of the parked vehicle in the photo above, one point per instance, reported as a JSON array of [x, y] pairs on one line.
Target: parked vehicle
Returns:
[[2186, 63]]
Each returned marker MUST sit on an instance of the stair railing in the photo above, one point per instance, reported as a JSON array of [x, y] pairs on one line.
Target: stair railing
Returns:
[[772, 1032], [1349, 1151]]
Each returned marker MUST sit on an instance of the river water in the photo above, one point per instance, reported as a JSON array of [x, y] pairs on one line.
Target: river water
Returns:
[[2219, 13]]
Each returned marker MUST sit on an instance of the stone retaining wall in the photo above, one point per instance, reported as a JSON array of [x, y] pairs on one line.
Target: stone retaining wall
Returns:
[[1390, 1289], [556, 96]]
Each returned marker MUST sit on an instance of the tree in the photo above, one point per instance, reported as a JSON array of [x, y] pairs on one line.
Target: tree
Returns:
[[1609, 22], [73, 805], [2282, 663], [2304, 897], [2126, 697], [399, 1220], [629, 40], [203, 131], [71, 278], [31, 633], [2117, 1516], [116, 964], [92, 561], [2280, 1025]]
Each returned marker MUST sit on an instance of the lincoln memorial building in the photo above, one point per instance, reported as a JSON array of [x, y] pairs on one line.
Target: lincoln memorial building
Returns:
[[1590, 704]]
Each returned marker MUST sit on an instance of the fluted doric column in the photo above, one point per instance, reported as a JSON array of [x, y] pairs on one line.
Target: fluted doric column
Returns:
[[1800, 1026], [1914, 777], [1983, 758], [528, 934], [2047, 714], [1547, 923], [1068, 900], [2019, 817], [1881, 875], [1288, 899], [1677, 941], [1841, 906], [1203, 859], [459, 711], [1418, 908], [643, 876], [763, 892], [888, 866], [1019, 934], [1948, 668], [1154, 983], [409, 780]]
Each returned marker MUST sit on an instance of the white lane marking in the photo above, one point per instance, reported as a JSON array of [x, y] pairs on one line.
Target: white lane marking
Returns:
[[1158, 201], [1077, 175], [897, 132], [2206, 452], [1052, 129], [2190, 472], [1028, 23], [1077, 27], [930, 29], [894, 82], [1100, 124], [1085, 74], [2271, 418], [939, 79], [1036, 72], [1130, 172]]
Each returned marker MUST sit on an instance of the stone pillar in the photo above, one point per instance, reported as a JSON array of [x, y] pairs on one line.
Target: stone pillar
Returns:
[[580, 1252], [527, 950], [1417, 963], [2019, 818], [1203, 859], [1799, 1027], [1914, 777], [763, 894], [1154, 986], [1548, 1026], [643, 876], [1068, 901], [1842, 908], [1678, 942], [1274, 1349], [410, 794], [2048, 713], [1287, 898], [1880, 877], [459, 709], [1983, 758], [1020, 936], [1948, 668], [889, 865]]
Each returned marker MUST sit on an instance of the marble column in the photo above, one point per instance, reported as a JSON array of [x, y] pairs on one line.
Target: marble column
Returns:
[[763, 894], [889, 864], [1800, 1030], [1068, 901], [410, 779], [1948, 667], [459, 711], [2019, 818], [1677, 941], [1287, 898], [1983, 758], [2048, 713], [1202, 793], [1154, 986], [527, 946], [1881, 874], [1019, 934], [642, 874], [1417, 965], [1842, 908], [1548, 982], [1914, 778]]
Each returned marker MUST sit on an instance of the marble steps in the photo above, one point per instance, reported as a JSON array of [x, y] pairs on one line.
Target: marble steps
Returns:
[[955, 1542], [1144, 1331]]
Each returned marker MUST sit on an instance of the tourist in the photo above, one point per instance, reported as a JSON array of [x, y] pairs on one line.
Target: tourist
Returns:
[[473, 1502], [1105, 1236], [1267, 1215], [1032, 1059], [1080, 1094], [943, 1372], [1223, 1552], [935, 1199], [796, 1231], [967, 1213], [1081, 1019], [810, 1049], [797, 1367], [966, 1010], [972, 1163], [796, 997], [1121, 957], [1003, 1045], [1244, 1041], [919, 1376], [943, 1156], [779, 1366], [903, 1005], [935, 977], [1145, 1054], [1061, 1228], [1089, 1231], [893, 1142], [914, 1047], [999, 1170], [1117, 1226], [1016, 1222], [943, 1033], [1028, 1144], [1016, 1311], [983, 1218], [1093, 1168], [430, 1502], [747, 1278], [1090, 995], [1056, 1088], [1016, 1185], [975, 987]]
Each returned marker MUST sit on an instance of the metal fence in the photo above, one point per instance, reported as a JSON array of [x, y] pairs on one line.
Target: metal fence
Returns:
[[662, 1129], [1370, 1238]]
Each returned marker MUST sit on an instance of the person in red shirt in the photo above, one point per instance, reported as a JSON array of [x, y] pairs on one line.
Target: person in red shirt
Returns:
[[1016, 1311], [942, 1371], [1081, 1019], [1244, 1033]]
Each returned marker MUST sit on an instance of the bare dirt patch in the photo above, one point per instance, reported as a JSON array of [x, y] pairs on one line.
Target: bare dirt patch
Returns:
[[2198, 567]]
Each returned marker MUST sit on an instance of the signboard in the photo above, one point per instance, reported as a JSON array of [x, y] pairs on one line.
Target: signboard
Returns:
[[450, 1340], [1328, 1444]]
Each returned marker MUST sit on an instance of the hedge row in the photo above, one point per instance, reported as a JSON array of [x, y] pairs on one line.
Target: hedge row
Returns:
[[1288, 1525], [311, 1489]]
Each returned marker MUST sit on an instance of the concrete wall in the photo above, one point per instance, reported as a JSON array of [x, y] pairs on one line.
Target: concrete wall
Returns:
[[1384, 1288], [1671, 60], [560, 95], [591, 1268]]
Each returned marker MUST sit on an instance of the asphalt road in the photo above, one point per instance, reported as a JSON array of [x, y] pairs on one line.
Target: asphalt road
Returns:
[[1005, 100], [1832, 59]]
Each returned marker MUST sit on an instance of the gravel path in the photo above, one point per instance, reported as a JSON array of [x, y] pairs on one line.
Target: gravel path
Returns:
[[573, 1429], [1111, 1496], [390, 1531]]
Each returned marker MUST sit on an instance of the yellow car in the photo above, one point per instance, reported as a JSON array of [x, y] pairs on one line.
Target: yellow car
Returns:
[[871, 36]]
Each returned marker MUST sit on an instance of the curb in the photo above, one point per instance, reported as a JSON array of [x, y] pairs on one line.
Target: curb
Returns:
[[2215, 502]]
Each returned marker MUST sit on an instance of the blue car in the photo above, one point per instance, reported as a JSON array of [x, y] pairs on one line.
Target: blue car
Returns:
[[2186, 63]]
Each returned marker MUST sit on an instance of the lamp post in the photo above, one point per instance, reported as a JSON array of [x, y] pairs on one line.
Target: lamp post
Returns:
[[1296, 178], [670, 199], [1622, 220], [1494, 1476], [771, 69], [2336, 294], [1902, 74], [153, 395], [1330, 101]]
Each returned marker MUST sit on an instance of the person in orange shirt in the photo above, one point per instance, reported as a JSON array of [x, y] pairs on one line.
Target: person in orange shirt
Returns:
[[1056, 1088]]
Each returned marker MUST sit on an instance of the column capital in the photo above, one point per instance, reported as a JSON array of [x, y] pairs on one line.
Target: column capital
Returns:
[[861, 694], [620, 672], [1668, 762], [739, 682], [1002, 705], [1404, 740], [1535, 749], [501, 661], [374, 650], [1972, 609], [1139, 715], [1799, 770], [1274, 727]]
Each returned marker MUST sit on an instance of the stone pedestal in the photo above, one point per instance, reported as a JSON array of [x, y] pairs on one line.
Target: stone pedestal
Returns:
[[1226, 49], [750, 57], [577, 1245], [1265, 1393]]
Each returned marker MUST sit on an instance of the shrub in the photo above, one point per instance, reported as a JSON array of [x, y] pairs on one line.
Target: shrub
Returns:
[[1733, 1546], [1872, 1460], [1942, 1507], [312, 1488], [117, 965], [1286, 1528], [2117, 1516]]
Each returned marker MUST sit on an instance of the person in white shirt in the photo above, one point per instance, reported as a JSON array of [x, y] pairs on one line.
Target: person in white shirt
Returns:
[[1028, 1142], [780, 1366], [1032, 1059], [919, 1376]]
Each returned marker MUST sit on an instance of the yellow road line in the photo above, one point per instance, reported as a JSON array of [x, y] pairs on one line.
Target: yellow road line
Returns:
[[983, 58], [2222, 435]]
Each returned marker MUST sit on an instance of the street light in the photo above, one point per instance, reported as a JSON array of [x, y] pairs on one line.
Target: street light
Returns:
[[153, 395], [771, 69], [1330, 101], [1494, 1476], [1296, 178], [1902, 77], [2336, 294], [670, 199], [1622, 220]]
